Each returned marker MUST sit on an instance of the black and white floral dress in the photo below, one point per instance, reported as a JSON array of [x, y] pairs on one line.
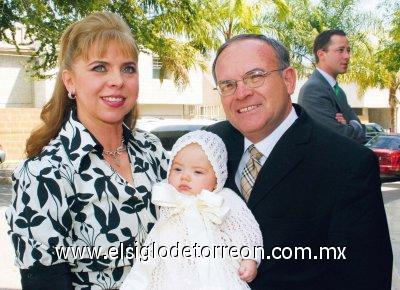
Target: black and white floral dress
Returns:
[[69, 196]]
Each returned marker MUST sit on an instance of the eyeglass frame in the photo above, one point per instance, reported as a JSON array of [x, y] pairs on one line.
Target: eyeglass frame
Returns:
[[263, 75]]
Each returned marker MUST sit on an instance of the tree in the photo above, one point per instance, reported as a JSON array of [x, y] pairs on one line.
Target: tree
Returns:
[[371, 64], [152, 22], [7, 19], [180, 33], [387, 62], [307, 20]]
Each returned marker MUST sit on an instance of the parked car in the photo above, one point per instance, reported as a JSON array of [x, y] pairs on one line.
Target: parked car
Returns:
[[2, 154], [169, 130], [372, 129], [387, 148]]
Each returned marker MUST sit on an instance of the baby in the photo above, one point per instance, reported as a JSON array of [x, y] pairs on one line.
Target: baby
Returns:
[[202, 228]]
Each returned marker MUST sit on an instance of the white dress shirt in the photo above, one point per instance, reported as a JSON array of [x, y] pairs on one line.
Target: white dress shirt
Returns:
[[266, 145]]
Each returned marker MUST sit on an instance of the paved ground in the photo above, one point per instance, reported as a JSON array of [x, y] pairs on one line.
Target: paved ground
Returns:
[[391, 197], [9, 275]]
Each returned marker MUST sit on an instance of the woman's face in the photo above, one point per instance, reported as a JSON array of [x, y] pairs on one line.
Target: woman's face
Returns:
[[106, 87]]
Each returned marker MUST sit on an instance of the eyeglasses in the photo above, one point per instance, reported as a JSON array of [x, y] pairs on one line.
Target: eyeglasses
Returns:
[[252, 80]]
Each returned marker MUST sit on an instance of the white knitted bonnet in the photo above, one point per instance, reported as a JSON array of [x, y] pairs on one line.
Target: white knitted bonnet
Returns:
[[214, 148]]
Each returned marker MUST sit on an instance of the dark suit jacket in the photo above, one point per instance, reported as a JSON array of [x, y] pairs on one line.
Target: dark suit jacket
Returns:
[[319, 100], [317, 189]]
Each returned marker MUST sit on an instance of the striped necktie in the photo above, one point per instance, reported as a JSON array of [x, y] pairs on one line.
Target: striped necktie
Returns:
[[250, 172]]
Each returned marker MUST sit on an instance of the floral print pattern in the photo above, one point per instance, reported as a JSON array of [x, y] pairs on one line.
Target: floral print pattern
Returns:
[[69, 196]]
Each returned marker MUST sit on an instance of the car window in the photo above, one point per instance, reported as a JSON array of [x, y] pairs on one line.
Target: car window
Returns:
[[373, 128], [169, 130], [168, 134], [385, 142]]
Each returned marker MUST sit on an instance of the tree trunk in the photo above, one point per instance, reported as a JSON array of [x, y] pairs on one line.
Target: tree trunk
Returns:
[[393, 102]]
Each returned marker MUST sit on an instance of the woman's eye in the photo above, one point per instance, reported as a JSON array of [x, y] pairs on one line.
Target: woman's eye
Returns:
[[130, 69], [99, 68]]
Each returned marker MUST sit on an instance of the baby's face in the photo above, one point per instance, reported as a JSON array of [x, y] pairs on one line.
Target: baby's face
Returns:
[[191, 171]]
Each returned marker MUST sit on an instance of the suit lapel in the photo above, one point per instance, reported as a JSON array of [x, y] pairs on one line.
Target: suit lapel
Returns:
[[286, 155], [235, 146], [328, 87]]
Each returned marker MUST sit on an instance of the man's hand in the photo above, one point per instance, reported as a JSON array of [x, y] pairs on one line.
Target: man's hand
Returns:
[[248, 270], [339, 117]]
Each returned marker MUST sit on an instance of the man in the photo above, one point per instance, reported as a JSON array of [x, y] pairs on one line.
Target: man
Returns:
[[313, 188], [321, 96]]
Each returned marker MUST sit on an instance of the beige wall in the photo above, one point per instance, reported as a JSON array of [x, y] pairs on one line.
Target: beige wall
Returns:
[[16, 125], [16, 87]]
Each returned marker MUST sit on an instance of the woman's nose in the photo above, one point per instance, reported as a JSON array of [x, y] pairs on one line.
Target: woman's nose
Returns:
[[116, 79]]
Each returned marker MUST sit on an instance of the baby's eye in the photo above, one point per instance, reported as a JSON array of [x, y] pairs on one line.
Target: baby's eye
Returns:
[[177, 169], [198, 172], [99, 68]]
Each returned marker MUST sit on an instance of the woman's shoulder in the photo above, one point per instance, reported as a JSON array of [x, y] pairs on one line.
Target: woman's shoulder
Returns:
[[46, 162], [144, 135], [147, 142]]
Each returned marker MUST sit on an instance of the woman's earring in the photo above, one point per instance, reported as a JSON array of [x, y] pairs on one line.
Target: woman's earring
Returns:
[[71, 96]]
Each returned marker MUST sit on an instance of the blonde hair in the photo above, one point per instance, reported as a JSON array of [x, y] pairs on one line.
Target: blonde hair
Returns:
[[98, 28]]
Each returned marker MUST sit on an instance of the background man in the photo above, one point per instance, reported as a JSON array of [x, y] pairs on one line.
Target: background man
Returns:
[[306, 186], [321, 96]]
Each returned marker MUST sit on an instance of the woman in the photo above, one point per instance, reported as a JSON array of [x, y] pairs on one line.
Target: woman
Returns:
[[87, 180]]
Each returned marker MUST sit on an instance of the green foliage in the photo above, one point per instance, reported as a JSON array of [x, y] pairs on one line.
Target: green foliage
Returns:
[[306, 20], [7, 19], [163, 27], [181, 33]]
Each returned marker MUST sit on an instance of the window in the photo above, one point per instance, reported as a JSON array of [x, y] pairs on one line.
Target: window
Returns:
[[156, 67], [157, 64]]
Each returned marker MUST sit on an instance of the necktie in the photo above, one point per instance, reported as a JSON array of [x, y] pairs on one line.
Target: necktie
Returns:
[[250, 172], [336, 89]]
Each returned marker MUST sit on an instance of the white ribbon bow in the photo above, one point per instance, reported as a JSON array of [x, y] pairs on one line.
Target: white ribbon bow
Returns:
[[209, 204]]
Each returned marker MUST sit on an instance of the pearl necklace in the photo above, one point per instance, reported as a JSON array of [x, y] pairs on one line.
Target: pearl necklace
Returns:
[[115, 154]]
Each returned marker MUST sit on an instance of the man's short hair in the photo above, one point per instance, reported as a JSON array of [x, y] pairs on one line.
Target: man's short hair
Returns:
[[280, 50], [323, 39]]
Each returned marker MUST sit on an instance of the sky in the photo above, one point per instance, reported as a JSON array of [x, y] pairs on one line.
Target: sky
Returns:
[[366, 5]]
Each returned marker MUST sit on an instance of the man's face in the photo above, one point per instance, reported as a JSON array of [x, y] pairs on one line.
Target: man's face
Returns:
[[255, 112], [335, 58]]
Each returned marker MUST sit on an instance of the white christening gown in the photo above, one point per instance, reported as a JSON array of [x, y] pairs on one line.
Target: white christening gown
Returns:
[[195, 225]]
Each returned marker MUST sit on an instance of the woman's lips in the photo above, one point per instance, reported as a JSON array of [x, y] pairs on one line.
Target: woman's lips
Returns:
[[115, 101]]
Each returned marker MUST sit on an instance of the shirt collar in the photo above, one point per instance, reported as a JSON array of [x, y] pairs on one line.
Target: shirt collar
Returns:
[[328, 77], [79, 142], [266, 145]]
